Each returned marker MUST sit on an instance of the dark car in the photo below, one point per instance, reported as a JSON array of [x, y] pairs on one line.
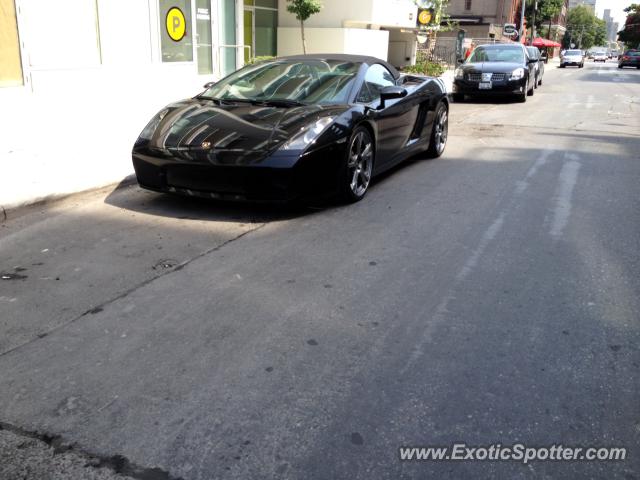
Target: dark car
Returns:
[[293, 127], [630, 58], [496, 69], [534, 53]]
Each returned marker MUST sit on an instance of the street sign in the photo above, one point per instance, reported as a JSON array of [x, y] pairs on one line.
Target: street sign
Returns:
[[176, 24], [426, 17], [509, 29]]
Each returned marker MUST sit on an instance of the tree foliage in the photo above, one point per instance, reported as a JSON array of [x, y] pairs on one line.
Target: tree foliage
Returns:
[[630, 34], [584, 29], [303, 9], [546, 12]]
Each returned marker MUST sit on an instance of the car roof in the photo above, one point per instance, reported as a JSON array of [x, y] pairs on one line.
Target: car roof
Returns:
[[496, 45], [345, 58]]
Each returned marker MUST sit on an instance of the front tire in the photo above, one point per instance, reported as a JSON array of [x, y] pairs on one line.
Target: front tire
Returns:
[[357, 168], [439, 131]]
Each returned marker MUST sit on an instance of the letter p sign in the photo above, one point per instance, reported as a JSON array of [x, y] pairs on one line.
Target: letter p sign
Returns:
[[176, 24]]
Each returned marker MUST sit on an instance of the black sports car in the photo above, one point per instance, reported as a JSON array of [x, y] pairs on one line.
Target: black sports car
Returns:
[[291, 128]]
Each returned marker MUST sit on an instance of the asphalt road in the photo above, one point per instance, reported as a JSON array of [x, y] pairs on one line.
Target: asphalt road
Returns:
[[489, 296]]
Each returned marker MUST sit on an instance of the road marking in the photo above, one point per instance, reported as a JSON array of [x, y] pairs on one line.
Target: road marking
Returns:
[[566, 183], [471, 263], [522, 185]]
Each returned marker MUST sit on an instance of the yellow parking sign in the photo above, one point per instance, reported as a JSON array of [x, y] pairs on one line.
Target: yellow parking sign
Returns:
[[176, 24]]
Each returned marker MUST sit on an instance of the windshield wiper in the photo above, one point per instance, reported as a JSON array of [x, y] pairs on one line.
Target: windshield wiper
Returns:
[[280, 102]]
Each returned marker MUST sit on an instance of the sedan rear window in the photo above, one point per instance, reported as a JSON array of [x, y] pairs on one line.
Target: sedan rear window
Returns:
[[572, 52]]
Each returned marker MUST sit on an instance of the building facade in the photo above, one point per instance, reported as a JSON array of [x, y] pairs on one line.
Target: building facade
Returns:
[[612, 27], [483, 18], [80, 76]]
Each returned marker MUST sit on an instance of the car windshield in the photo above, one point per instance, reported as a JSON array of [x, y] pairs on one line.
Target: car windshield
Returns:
[[305, 82], [570, 53], [497, 54]]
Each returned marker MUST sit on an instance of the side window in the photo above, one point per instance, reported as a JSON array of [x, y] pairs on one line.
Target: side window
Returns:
[[377, 78]]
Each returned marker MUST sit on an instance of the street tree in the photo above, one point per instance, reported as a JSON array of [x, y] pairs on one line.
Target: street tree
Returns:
[[303, 9], [630, 34], [545, 13], [584, 29]]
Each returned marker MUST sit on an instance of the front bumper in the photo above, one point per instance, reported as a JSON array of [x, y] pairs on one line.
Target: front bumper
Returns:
[[280, 179], [503, 87], [570, 63]]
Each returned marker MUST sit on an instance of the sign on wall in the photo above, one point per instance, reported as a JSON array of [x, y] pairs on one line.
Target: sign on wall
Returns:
[[176, 24]]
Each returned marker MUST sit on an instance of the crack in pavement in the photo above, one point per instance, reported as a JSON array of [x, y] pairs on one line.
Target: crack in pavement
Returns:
[[119, 464], [98, 308]]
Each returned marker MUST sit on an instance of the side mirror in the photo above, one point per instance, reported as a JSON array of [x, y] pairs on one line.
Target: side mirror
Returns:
[[460, 61], [208, 85], [390, 93]]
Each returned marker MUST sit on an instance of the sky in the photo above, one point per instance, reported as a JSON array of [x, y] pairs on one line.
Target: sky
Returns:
[[616, 7]]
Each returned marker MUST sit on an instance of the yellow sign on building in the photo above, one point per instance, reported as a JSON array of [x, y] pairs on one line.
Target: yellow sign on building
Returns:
[[176, 24]]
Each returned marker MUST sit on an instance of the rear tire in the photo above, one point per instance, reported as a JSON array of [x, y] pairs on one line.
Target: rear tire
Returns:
[[439, 131], [357, 168], [540, 82]]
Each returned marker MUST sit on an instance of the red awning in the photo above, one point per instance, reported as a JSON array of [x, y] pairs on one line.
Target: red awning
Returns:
[[543, 42]]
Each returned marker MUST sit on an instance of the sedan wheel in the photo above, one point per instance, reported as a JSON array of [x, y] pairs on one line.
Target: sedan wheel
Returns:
[[356, 175], [439, 132]]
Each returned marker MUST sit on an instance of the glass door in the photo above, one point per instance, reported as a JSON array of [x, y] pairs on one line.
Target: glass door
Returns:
[[248, 34], [204, 43], [228, 47]]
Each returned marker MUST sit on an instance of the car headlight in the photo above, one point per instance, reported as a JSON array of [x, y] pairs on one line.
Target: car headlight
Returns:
[[308, 134], [459, 74], [517, 74], [148, 131]]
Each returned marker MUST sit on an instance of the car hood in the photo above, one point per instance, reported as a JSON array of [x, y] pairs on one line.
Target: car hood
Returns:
[[491, 67], [201, 124]]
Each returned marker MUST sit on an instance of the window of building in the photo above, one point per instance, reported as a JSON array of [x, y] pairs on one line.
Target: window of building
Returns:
[[204, 39], [228, 49], [10, 63], [467, 4], [260, 28], [176, 34], [377, 78]]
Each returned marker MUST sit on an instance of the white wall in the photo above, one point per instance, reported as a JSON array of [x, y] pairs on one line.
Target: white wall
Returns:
[[402, 48], [72, 126], [335, 13], [355, 41]]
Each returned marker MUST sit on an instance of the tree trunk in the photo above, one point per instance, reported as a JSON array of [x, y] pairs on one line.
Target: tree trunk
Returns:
[[304, 40], [549, 32]]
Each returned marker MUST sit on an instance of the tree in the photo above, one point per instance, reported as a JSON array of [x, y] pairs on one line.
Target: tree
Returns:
[[584, 29], [303, 9], [546, 12], [630, 34]]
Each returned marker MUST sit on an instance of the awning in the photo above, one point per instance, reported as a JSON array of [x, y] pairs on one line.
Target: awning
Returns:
[[543, 42]]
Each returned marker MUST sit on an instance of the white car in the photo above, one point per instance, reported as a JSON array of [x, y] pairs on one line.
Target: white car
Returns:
[[571, 57], [600, 57]]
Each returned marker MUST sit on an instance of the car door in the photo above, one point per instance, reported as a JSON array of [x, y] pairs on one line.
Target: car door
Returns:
[[394, 123]]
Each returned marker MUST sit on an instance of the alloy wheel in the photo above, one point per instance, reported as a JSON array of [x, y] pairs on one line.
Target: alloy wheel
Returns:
[[360, 163], [441, 130]]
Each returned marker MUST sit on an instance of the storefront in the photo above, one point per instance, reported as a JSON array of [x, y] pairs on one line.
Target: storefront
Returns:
[[70, 68]]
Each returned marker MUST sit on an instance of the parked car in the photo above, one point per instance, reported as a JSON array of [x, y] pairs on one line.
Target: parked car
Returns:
[[496, 69], [600, 57], [572, 57], [630, 58], [291, 128], [534, 52]]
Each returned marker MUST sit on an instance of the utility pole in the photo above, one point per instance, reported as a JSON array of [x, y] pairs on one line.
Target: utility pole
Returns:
[[522, 31], [533, 22]]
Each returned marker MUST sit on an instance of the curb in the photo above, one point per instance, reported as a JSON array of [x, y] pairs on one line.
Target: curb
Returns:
[[14, 211]]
